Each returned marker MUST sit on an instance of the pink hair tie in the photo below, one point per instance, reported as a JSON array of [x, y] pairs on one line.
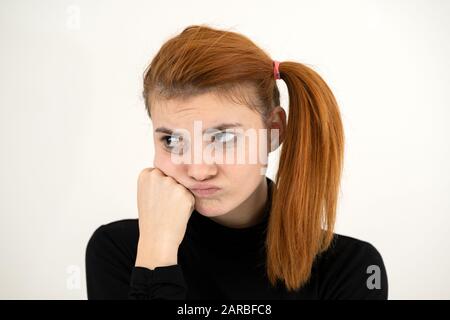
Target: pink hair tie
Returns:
[[276, 71]]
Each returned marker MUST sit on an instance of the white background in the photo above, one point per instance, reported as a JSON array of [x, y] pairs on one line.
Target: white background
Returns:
[[75, 135]]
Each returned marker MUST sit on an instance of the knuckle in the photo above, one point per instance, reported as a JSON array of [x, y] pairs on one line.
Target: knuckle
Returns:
[[179, 189], [145, 173]]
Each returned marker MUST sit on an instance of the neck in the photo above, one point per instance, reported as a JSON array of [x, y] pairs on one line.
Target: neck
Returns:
[[249, 212]]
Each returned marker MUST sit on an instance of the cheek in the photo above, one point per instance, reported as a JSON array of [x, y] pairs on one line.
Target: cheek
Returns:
[[242, 175], [263, 147], [163, 162], [255, 149], [242, 179]]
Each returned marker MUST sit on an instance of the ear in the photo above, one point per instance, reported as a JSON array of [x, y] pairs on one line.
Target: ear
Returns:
[[276, 126]]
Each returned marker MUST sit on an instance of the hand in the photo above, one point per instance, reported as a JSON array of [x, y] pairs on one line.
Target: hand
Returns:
[[165, 207]]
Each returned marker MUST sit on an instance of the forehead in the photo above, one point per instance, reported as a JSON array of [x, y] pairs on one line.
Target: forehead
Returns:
[[209, 108]]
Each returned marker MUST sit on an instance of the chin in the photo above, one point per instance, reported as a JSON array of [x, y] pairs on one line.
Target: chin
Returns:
[[210, 210]]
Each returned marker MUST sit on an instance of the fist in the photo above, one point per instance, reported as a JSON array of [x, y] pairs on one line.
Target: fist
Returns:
[[165, 207]]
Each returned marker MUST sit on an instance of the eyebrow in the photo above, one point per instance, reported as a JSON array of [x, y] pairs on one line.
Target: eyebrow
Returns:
[[219, 127]]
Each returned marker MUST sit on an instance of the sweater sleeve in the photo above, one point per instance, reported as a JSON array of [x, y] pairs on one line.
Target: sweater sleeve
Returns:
[[161, 283], [111, 274]]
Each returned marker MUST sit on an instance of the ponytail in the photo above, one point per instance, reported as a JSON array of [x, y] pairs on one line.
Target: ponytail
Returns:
[[307, 182]]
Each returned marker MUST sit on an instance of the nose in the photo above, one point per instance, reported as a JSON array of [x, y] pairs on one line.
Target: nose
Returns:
[[202, 171]]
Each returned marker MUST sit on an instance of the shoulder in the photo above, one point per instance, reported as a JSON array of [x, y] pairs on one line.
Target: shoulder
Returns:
[[352, 269], [110, 256], [114, 238], [345, 249]]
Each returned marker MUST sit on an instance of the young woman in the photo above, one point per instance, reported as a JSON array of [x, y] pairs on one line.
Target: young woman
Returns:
[[215, 229]]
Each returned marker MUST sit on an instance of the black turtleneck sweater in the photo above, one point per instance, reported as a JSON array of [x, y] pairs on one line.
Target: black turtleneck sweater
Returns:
[[218, 262]]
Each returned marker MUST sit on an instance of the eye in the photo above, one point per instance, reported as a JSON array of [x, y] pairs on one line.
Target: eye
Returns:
[[173, 142], [224, 137]]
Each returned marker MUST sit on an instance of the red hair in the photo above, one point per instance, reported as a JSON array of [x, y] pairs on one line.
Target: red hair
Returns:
[[203, 59]]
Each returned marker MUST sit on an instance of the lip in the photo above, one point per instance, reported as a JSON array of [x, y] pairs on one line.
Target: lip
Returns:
[[205, 192], [200, 186]]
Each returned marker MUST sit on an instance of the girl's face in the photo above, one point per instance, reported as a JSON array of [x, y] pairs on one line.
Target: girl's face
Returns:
[[192, 148]]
